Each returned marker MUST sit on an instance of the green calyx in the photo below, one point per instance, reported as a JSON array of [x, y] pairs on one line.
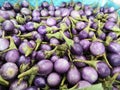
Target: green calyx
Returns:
[[20, 19], [108, 84], [38, 42], [49, 53], [27, 50], [11, 46], [99, 31], [87, 29], [1, 19], [62, 85], [92, 63], [106, 60], [51, 29], [27, 35], [3, 81], [108, 40], [23, 67], [34, 70], [30, 81], [67, 40], [63, 26], [55, 35]]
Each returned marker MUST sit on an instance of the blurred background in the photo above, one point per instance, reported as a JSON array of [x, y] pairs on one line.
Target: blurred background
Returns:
[[102, 3]]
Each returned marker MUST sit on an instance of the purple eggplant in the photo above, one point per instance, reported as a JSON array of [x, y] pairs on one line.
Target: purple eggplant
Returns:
[[85, 44], [97, 48], [103, 69], [83, 84], [77, 49], [116, 70], [9, 70], [12, 56], [22, 86], [4, 44], [73, 75], [53, 82], [80, 64], [89, 74], [40, 82], [7, 25], [61, 65], [114, 59], [114, 47], [51, 21]]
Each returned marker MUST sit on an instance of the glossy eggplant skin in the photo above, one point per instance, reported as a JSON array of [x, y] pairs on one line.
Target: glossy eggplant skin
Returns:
[[114, 59]]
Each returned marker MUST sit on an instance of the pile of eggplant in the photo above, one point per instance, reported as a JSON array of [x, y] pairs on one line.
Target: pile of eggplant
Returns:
[[66, 47]]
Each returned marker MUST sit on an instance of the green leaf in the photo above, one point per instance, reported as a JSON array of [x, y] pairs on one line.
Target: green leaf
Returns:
[[93, 87]]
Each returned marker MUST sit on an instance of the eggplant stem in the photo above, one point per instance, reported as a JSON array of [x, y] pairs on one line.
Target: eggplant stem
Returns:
[[38, 42], [68, 41], [3, 81], [69, 55], [63, 80], [31, 79], [74, 87], [31, 71], [105, 58]]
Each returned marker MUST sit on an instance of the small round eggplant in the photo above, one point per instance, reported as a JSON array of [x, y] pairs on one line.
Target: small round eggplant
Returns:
[[9, 70], [89, 74], [61, 65], [53, 82]]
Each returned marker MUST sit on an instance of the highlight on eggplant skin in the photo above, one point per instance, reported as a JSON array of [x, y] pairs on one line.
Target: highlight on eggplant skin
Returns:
[[66, 47]]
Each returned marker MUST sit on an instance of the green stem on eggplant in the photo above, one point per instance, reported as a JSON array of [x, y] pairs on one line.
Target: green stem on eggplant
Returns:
[[46, 88], [31, 71], [23, 67], [92, 63], [67, 40], [62, 85], [63, 26], [27, 50], [38, 42], [106, 60], [63, 80], [28, 35], [108, 40], [96, 39], [11, 46], [48, 54], [116, 28], [99, 31], [69, 55], [30, 81], [72, 23], [20, 80], [3, 81], [51, 29], [108, 83], [74, 87], [73, 20], [1, 19], [56, 35], [62, 47], [20, 19], [84, 18]]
